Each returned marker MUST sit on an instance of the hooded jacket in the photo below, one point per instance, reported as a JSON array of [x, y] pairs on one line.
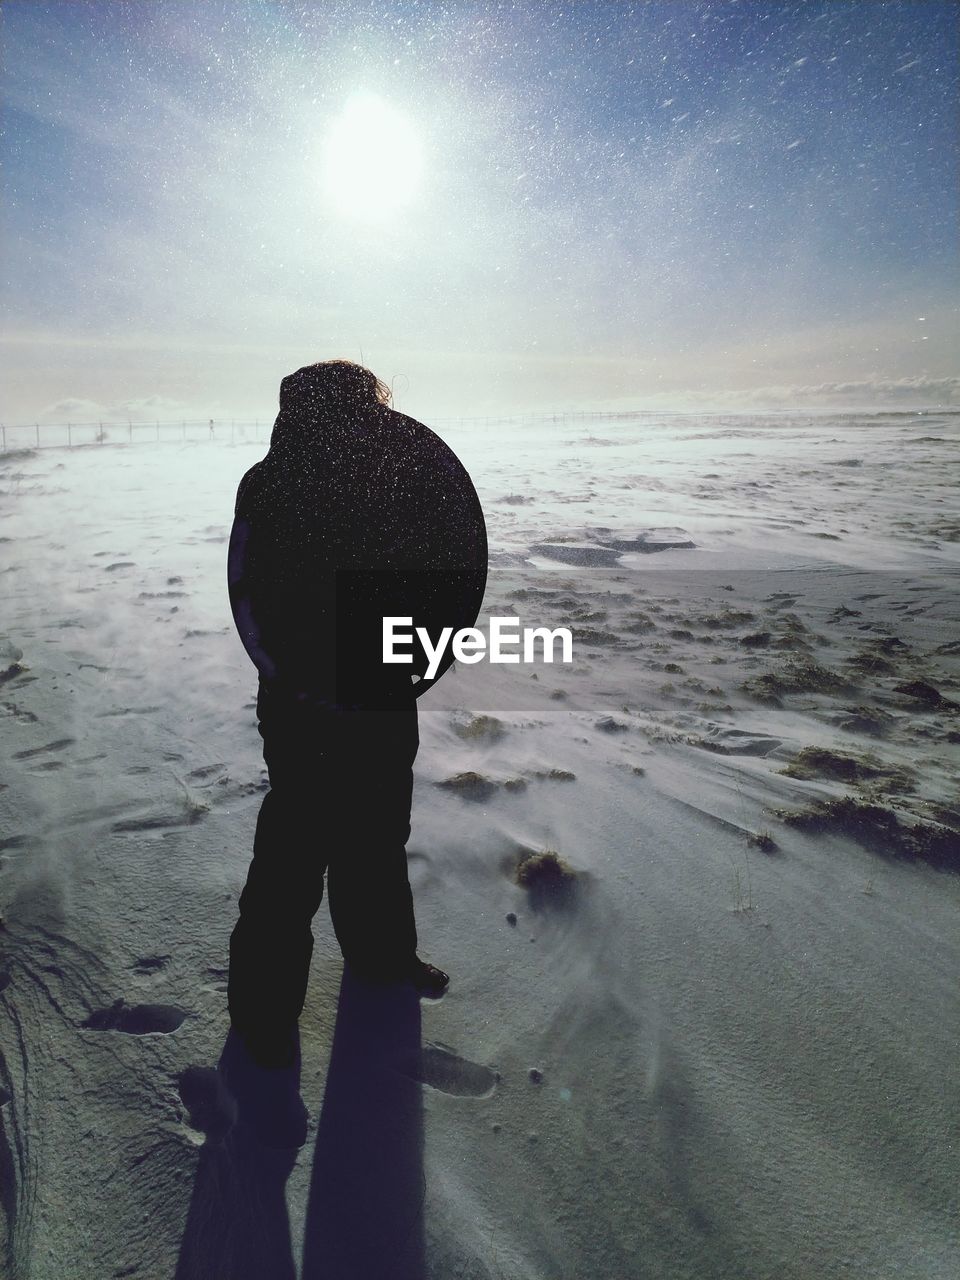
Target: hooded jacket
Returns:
[[355, 513]]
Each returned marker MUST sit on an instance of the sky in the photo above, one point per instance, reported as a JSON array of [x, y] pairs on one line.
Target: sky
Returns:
[[499, 207]]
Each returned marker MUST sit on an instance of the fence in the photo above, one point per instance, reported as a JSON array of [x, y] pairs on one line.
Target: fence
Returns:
[[50, 435]]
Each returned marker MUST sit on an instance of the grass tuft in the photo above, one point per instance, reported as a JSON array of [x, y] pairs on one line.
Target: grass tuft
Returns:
[[764, 841], [546, 867], [470, 785], [841, 766], [549, 880], [485, 727], [798, 675]]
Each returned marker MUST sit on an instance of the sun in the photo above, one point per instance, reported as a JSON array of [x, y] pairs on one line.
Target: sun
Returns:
[[373, 159]]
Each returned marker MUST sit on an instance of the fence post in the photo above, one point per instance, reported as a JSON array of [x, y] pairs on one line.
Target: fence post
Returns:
[[3, 438], [158, 433], [38, 435], [69, 435]]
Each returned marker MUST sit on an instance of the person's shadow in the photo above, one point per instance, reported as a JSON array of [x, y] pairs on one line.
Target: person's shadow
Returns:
[[365, 1207]]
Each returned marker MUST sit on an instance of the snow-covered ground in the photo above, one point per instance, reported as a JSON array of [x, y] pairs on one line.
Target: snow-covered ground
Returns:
[[726, 1047]]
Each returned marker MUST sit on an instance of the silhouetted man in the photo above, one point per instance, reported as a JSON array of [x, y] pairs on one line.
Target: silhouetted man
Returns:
[[356, 513]]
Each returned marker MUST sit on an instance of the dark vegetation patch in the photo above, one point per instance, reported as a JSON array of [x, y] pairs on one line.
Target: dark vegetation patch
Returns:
[[609, 725], [756, 639], [593, 635], [484, 727], [737, 743], [470, 785], [870, 664], [791, 640], [530, 593], [889, 644], [949, 816], [798, 675], [549, 880], [879, 829], [841, 766], [869, 720], [477, 786], [792, 622], [725, 620], [927, 695], [583, 613], [763, 841], [638, 623]]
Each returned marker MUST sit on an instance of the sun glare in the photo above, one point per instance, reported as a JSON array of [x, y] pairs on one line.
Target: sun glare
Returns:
[[373, 160]]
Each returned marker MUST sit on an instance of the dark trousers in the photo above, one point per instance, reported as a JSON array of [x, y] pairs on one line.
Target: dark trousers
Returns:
[[341, 788]]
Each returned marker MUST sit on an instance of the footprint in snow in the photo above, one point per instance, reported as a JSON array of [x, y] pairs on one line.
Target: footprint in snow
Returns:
[[136, 1019]]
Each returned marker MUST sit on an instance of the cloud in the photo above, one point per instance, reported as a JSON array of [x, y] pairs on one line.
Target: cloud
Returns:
[[880, 393], [154, 408], [869, 395], [920, 392]]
